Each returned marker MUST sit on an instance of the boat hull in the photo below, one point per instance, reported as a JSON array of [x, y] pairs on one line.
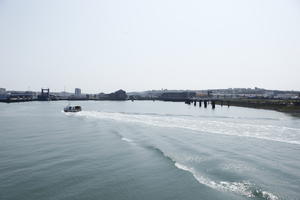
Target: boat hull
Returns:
[[72, 109]]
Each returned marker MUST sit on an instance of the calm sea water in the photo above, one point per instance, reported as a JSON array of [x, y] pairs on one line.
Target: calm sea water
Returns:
[[147, 150]]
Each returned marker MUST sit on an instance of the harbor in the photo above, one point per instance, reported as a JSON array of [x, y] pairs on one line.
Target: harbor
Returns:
[[151, 100], [283, 102]]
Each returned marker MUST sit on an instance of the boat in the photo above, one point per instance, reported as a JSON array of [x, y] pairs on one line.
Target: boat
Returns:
[[72, 108]]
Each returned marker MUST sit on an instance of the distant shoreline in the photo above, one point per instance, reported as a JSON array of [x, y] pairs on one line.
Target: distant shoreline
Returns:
[[286, 106]]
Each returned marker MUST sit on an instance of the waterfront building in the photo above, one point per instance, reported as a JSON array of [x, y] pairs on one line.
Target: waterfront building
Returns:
[[177, 96], [19, 95], [2, 91], [3, 94], [77, 92], [118, 95]]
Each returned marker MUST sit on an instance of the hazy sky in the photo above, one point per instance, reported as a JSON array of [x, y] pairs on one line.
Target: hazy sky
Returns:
[[104, 45]]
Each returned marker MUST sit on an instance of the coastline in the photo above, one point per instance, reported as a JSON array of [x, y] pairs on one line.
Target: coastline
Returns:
[[287, 106]]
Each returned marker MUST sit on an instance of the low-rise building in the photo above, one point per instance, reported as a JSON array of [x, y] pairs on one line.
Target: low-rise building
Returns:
[[3, 94], [77, 92], [2, 91], [176, 96]]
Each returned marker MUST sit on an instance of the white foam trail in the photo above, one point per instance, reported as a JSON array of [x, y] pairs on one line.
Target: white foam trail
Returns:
[[222, 186], [266, 132], [241, 188], [127, 139], [268, 195]]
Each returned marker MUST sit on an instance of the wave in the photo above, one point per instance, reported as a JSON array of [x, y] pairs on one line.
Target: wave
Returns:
[[127, 140], [243, 188], [163, 154], [259, 131], [202, 116], [119, 135]]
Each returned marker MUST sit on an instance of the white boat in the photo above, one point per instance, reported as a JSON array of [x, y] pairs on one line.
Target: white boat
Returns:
[[72, 108]]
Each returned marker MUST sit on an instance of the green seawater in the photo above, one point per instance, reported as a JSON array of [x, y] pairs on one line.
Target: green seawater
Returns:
[[147, 150]]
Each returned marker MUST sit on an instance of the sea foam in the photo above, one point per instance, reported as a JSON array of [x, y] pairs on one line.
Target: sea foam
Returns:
[[127, 139], [260, 131], [242, 188]]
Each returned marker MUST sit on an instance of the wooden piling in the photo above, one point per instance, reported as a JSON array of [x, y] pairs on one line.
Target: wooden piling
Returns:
[[213, 104]]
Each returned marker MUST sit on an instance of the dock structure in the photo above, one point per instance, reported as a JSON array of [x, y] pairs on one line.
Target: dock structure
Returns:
[[45, 95], [213, 104], [291, 105], [207, 101], [191, 98]]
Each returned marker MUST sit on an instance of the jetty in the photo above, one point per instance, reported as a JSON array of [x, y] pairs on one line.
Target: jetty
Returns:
[[273, 104]]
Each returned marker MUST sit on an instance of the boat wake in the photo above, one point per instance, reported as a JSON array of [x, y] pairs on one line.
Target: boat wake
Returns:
[[258, 131], [127, 140], [243, 188]]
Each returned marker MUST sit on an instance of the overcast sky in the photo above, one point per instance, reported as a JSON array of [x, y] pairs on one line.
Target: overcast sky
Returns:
[[105, 45]]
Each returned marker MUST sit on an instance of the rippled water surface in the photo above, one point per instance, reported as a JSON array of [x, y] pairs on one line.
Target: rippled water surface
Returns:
[[147, 150]]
